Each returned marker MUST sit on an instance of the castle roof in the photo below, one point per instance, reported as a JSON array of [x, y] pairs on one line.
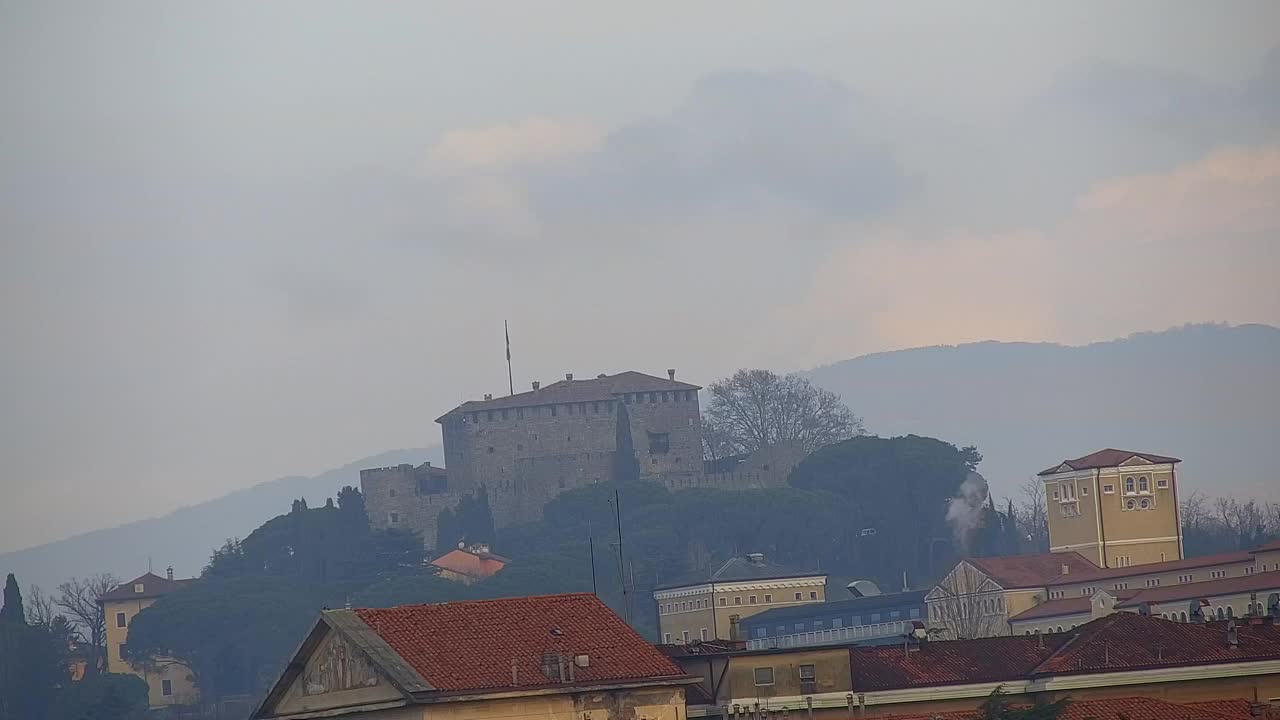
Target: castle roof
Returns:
[[602, 387], [1107, 458]]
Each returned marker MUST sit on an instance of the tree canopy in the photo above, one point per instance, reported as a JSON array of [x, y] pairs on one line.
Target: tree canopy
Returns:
[[757, 408]]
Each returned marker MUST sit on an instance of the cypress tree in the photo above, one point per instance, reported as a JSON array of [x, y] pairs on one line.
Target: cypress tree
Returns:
[[12, 610]]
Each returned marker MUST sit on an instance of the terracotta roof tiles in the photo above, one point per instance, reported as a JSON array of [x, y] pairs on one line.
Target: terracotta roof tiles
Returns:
[[1097, 573], [1023, 571], [470, 646], [1125, 708], [1106, 459]]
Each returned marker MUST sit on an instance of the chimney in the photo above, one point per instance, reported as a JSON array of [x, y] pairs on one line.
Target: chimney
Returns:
[[168, 572], [568, 376], [756, 558], [488, 396], [671, 373], [1066, 569], [536, 385], [601, 376], [1233, 635]]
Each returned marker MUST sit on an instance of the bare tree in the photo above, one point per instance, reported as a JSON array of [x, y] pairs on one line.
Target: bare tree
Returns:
[[758, 408], [80, 599], [1033, 518], [962, 606], [40, 607], [1195, 511]]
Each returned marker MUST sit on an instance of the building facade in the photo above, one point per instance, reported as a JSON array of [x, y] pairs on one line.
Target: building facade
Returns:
[[864, 620], [979, 595], [713, 607], [1117, 508], [554, 657], [168, 684], [469, 564]]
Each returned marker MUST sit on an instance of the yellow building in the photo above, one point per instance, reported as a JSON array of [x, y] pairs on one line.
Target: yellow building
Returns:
[[1115, 507], [710, 607], [552, 657], [167, 685], [979, 595]]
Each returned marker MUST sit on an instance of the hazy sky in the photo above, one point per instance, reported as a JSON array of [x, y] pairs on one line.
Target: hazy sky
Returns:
[[244, 240]]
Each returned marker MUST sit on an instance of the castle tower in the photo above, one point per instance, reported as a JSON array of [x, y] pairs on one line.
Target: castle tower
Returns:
[[1115, 507]]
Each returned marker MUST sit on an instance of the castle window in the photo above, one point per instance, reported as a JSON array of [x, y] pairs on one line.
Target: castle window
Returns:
[[569, 408], [666, 397], [504, 414], [489, 415], [395, 518], [553, 411], [651, 398], [392, 492], [561, 481], [1144, 484], [595, 408], [519, 447], [519, 413], [490, 449], [659, 443]]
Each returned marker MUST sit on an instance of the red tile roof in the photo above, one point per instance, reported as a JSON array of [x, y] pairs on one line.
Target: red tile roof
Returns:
[[954, 662], [1267, 581], [1238, 708], [1077, 605], [1106, 459], [607, 387], [470, 563], [1128, 641], [1137, 571], [1269, 547], [468, 646], [1119, 642], [152, 586], [1025, 571], [1127, 708]]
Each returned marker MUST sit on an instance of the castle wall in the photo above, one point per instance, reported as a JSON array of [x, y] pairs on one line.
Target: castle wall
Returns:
[[406, 498], [675, 415]]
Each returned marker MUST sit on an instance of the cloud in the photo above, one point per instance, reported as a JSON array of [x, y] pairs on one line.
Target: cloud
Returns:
[[1194, 244], [1231, 191], [504, 148]]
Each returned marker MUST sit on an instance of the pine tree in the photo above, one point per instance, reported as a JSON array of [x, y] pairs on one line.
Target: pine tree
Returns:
[[12, 610]]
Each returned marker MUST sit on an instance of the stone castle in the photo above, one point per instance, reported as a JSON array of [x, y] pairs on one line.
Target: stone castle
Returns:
[[529, 447]]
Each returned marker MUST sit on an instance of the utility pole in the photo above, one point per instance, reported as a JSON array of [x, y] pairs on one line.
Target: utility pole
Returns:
[[622, 573]]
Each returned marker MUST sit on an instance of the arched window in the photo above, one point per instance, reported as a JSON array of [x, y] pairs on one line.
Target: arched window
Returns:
[[1128, 485], [1221, 615], [1144, 484], [1059, 628], [1230, 612], [1182, 617]]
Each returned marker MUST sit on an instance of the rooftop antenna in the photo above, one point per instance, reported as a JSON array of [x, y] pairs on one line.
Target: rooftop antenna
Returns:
[[511, 385], [622, 573], [591, 548], [148, 563]]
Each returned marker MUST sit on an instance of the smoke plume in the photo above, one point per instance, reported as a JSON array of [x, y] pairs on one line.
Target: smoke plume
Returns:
[[964, 511]]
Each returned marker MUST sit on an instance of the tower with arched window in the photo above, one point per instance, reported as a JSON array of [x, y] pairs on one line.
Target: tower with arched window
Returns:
[[1115, 507]]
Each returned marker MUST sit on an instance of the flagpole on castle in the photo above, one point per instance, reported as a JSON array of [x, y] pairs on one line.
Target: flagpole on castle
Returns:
[[510, 383]]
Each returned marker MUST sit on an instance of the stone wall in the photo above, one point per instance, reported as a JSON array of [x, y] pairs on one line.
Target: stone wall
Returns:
[[407, 498]]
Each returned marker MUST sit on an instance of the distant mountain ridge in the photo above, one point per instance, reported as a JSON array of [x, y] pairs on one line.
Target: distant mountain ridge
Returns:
[[187, 536], [1208, 394]]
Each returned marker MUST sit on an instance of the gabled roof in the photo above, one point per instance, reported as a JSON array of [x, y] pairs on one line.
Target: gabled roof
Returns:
[[1128, 641], [738, 569], [606, 387], [838, 607], [474, 646], [1107, 459], [1133, 571], [953, 662], [470, 562], [1126, 708], [152, 586], [1029, 571], [1081, 604], [1255, 582]]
